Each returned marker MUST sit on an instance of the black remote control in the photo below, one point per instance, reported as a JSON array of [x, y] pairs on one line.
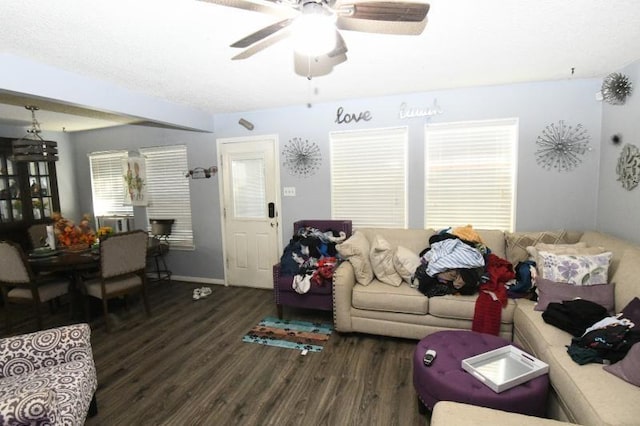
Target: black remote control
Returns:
[[429, 356]]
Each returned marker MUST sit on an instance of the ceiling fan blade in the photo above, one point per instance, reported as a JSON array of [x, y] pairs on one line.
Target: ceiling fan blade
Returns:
[[372, 10], [262, 34], [381, 27], [261, 45]]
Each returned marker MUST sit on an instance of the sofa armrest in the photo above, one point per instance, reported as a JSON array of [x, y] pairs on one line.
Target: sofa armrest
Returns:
[[28, 352], [19, 407], [344, 279]]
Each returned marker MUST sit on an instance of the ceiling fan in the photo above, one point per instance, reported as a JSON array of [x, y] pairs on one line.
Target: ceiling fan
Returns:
[[315, 26]]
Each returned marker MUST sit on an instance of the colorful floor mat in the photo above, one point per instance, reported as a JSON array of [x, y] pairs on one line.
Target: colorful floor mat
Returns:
[[291, 334]]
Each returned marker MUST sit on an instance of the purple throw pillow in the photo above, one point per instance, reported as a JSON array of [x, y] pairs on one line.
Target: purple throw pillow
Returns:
[[628, 369], [549, 291], [632, 311]]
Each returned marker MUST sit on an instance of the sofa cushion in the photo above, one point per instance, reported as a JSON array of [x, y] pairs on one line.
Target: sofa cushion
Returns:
[[28, 407], [406, 262], [549, 291], [382, 297], [463, 307], [494, 239], [613, 244], [626, 278], [448, 413], [415, 240], [632, 312], [576, 248], [381, 257], [72, 384], [356, 251], [517, 242], [575, 269], [593, 396], [453, 306], [628, 369], [535, 335]]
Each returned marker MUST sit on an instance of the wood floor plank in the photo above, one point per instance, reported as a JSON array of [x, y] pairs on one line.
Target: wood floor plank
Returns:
[[187, 365]]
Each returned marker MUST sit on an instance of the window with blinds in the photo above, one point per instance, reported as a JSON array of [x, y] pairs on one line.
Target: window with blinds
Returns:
[[168, 191], [369, 177], [470, 170], [107, 185]]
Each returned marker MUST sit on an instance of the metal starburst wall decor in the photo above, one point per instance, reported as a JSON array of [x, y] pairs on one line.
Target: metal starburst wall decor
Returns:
[[302, 157], [561, 147], [616, 87]]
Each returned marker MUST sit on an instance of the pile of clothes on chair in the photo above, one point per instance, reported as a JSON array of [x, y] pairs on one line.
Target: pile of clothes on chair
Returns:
[[311, 257]]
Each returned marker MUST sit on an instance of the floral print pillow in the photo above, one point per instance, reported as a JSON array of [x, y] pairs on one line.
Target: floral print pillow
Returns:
[[575, 269]]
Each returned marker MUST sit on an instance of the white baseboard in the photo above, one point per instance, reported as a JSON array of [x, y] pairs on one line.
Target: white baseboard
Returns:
[[199, 280]]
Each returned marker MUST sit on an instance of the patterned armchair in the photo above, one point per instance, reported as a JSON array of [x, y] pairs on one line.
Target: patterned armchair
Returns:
[[318, 297], [48, 377]]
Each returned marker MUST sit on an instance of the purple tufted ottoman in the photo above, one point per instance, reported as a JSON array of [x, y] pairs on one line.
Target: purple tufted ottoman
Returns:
[[445, 380]]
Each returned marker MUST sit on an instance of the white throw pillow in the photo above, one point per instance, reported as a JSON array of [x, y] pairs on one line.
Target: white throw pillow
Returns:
[[356, 251], [406, 262], [575, 269], [381, 256], [577, 248]]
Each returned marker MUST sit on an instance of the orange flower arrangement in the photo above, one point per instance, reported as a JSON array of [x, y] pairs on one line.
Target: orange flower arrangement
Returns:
[[70, 235], [104, 232]]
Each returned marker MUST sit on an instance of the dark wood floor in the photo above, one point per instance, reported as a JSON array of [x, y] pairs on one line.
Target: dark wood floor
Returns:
[[187, 365]]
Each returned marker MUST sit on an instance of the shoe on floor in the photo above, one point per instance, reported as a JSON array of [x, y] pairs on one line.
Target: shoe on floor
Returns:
[[197, 293], [205, 291]]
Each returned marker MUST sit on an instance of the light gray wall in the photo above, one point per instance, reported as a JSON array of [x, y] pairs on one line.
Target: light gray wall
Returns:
[[545, 199], [618, 208], [205, 262]]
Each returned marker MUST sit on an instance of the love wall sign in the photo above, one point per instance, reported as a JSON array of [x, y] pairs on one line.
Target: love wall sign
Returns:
[[345, 117]]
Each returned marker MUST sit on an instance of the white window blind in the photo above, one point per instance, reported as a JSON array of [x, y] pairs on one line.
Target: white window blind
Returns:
[[369, 177], [107, 184], [168, 191], [470, 170]]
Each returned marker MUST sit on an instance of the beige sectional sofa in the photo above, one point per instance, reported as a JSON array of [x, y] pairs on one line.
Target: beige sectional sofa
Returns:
[[581, 394]]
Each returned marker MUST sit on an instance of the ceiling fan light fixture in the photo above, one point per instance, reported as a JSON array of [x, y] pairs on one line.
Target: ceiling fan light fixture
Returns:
[[32, 147], [314, 31]]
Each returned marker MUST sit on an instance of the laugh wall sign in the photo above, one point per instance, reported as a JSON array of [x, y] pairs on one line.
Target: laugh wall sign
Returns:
[[407, 111]]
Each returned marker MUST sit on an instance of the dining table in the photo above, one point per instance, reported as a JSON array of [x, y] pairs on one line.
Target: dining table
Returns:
[[73, 264]]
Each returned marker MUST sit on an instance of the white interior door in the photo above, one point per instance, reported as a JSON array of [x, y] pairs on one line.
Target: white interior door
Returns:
[[250, 210]]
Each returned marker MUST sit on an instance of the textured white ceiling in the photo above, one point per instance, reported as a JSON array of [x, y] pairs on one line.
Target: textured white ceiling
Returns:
[[177, 50]]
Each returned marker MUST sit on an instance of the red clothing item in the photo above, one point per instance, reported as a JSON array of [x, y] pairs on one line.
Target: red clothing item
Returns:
[[492, 296]]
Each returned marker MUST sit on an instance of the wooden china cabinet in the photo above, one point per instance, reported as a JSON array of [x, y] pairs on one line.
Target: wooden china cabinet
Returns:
[[28, 194]]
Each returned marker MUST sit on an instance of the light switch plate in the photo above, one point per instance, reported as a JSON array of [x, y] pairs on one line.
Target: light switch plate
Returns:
[[289, 191]]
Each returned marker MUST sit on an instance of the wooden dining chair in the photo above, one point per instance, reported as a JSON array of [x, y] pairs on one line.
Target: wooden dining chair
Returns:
[[122, 270], [21, 286], [37, 235]]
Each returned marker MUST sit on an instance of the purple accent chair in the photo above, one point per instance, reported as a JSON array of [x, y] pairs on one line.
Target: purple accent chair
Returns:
[[320, 298]]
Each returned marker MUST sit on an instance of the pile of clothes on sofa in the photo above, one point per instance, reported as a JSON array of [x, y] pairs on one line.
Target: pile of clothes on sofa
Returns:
[[458, 262], [311, 257]]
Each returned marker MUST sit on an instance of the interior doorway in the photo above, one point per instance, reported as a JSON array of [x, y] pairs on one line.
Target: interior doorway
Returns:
[[249, 202]]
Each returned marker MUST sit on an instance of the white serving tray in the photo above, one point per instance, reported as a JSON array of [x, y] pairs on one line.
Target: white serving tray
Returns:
[[504, 368]]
